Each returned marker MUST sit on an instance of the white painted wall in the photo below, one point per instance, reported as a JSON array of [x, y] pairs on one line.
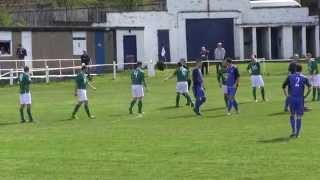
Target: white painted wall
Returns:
[[287, 42], [179, 11]]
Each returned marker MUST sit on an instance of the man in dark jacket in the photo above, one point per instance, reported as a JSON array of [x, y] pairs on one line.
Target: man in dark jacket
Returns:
[[21, 53]]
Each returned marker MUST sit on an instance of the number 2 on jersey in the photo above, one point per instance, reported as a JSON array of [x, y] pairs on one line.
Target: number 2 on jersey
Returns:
[[297, 82]]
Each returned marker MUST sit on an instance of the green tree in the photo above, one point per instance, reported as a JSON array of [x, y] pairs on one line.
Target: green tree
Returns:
[[5, 18]]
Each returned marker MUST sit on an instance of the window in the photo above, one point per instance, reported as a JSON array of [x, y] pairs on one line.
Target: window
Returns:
[[79, 42], [5, 44]]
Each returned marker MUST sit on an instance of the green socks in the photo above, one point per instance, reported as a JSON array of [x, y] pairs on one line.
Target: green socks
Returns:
[[177, 100], [76, 109], [86, 107], [140, 107], [133, 102], [314, 93], [29, 114], [263, 93], [226, 99], [254, 93], [318, 94], [22, 115]]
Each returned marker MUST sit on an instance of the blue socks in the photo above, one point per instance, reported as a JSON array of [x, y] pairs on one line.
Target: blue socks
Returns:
[[298, 126], [293, 124], [232, 103], [199, 102]]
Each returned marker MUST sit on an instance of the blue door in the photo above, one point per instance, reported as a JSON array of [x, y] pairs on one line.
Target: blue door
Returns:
[[164, 45], [209, 32], [130, 49], [100, 51]]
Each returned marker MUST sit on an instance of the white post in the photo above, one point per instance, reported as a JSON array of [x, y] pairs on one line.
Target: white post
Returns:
[[304, 40], [73, 69], [241, 43], [114, 70], [287, 42], [317, 46], [60, 67], [269, 44], [254, 40], [47, 74], [151, 69], [17, 67], [11, 77]]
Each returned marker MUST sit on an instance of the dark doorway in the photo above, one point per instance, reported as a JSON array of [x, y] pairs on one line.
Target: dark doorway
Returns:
[[164, 45], [130, 50], [208, 32], [276, 41], [100, 51]]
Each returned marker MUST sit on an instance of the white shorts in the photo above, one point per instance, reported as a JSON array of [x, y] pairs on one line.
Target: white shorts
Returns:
[[225, 89], [257, 81], [25, 98], [82, 95], [137, 91], [182, 87], [315, 80]]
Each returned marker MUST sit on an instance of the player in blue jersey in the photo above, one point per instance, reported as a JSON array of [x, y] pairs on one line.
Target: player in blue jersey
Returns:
[[198, 88], [294, 89], [232, 83]]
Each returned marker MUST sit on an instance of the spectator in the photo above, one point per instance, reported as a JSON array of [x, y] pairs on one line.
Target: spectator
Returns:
[[219, 55], [85, 58], [204, 56], [21, 54]]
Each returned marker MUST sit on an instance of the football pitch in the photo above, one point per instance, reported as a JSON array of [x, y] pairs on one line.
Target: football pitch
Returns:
[[166, 143]]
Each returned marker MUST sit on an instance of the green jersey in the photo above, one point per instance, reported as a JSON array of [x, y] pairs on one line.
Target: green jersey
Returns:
[[24, 82], [254, 68], [222, 76], [81, 81], [313, 67], [137, 77], [182, 74]]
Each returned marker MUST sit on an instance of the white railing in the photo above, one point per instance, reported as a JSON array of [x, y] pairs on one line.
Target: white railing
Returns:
[[12, 73], [47, 72]]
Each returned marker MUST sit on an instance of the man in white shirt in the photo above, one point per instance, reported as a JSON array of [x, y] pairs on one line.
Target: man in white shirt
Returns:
[[219, 55]]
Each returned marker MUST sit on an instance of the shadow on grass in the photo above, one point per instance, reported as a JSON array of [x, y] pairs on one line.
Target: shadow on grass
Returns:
[[275, 140], [214, 109], [9, 123], [217, 116], [168, 108], [188, 116], [279, 113]]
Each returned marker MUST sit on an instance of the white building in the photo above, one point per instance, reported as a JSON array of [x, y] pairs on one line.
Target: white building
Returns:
[[273, 29]]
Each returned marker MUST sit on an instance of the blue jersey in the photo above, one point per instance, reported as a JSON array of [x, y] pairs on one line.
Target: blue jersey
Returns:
[[296, 84], [197, 77], [232, 76]]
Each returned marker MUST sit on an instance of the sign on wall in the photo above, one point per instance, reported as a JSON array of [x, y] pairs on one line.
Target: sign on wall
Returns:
[[79, 42]]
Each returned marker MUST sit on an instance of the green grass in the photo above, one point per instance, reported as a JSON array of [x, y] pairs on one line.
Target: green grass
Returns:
[[166, 143]]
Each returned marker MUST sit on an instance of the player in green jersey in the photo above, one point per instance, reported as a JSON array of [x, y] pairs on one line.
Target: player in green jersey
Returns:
[[138, 84], [254, 69], [222, 77], [25, 95], [314, 77], [81, 81], [182, 88]]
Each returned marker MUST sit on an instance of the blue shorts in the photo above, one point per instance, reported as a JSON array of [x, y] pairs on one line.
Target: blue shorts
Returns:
[[198, 92], [296, 106], [232, 91]]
